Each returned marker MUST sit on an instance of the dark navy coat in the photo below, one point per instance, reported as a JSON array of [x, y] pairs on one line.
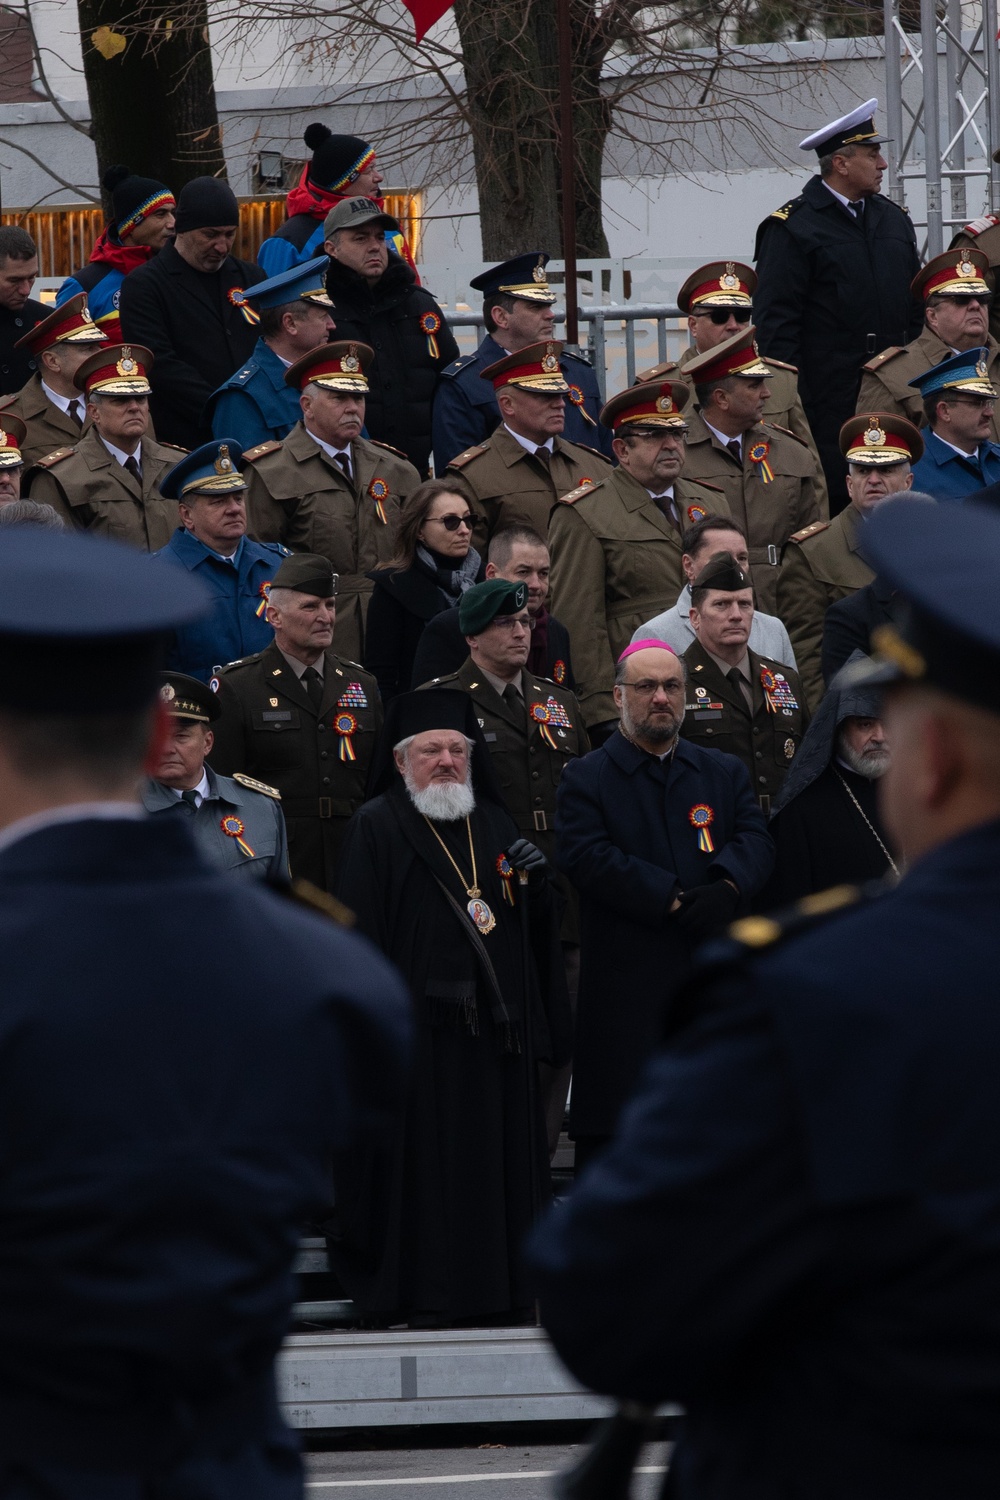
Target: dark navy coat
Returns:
[[181, 1055], [234, 628], [466, 411], [951, 477], [625, 840], [255, 405], [797, 1231]]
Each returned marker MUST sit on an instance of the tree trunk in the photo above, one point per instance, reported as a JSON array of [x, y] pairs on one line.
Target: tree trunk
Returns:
[[510, 57], [152, 104]]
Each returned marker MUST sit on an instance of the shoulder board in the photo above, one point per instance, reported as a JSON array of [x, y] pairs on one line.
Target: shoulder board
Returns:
[[703, 484], [780, 364], [174, 447], [976, 227], [578, 355], [785, 432], [457, 366], [579, 492], [250, 454], [6, 401], [53, 458], [257, 786], [808, 531], [310, 895], [437, 681], [242, 376], [787, 208], [388, 448], [751, 933], [467, 457], [884, 357], [595, 452], [241, 661], [657, 372]]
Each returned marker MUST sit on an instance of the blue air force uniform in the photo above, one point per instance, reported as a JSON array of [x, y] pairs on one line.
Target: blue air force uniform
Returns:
[[943, 472], [237, 826]]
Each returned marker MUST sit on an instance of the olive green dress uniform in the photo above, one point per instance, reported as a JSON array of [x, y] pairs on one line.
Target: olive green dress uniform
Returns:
[[506, 485], [48, 427], [297, 495], [820, 565], [769, 511], [717, 717], [528, 761], [616, 562], [984, 234], [885, 381], [271, 730], [91, 491]]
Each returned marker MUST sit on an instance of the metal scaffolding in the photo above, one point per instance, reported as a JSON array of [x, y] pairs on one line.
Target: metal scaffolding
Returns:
[[944, 120]]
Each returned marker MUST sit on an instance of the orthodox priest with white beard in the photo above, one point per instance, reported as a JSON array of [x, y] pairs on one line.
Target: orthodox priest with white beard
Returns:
[[430, 866]]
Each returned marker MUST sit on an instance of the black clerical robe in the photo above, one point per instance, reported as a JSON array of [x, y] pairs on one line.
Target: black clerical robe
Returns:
[[823, 838], [435, 1228]]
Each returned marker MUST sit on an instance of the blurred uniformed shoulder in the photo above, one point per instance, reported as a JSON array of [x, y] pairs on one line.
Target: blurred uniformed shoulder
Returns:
[[580, 491], [466, 458], [307, 894], [241, 661], [893, 351], [173, 447], [657, 372], [976, 227], [781, 364], [593, 452], [812, 530], [355, 666], [251, 455], [576, 356], [256, 786]]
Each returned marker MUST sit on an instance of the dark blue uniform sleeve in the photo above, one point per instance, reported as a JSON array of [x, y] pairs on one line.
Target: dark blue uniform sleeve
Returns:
[[456, 424], [276, 255], [235, 414], [781, 300], [695, 1230]]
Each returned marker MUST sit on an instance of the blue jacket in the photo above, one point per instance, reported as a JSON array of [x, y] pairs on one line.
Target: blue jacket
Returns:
[[177, 1071], [949, 476], [234, 628], [103, 293], [625, 840], [466, 412], [796, 1233], [255, 405], [280, 253]]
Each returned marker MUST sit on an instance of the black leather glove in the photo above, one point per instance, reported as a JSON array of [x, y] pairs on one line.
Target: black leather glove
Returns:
[[706, 910], [524, 855]]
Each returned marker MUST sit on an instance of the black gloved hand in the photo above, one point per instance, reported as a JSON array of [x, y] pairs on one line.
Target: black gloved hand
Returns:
[[525, 855], [706, 910]]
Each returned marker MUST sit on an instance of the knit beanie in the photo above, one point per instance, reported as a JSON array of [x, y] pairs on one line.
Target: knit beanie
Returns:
[[338, 160], [206, 203], [133, 198]]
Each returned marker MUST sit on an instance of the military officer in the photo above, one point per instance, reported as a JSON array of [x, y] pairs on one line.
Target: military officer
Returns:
[[835, 266], [302, 718], [959, 402], [984, 234], [616, 544], [256, 405], [718, 300], [50, 403], [237, 822], [328, 490], [769, 476], [518, 312], [212, 544], [515, 476], [739, 702], [957, 298], [822, 562], [11, 459]]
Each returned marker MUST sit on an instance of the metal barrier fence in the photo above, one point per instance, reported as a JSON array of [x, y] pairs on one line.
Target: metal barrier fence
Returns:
[[620, 338]]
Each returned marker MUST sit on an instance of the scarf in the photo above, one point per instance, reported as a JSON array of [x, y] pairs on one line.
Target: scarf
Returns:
[[124, 258], [315, 201], [538, 653], [453, 582]]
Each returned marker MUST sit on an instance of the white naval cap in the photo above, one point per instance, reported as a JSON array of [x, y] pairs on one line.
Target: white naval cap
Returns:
[[855, 129]]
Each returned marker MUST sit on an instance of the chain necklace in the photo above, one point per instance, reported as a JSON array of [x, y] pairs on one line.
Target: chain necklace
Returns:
[[478, 910], [892, 863]]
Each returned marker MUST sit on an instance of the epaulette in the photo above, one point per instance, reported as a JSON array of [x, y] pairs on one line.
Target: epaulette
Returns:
[[781, 364], [578, 355], [241, 661], [785, 432], [175, 447], [658, 372], [53, 458], [256, 786], [787, 208], [252, 454], [242, 376], [462, 459], [752, 933], [595, 451], [345, 662], [457, 365], [6, 401], [808, 531], [388, 448], [579, 492], [705, 484], [310, 895], [884, 357], [976, 227]]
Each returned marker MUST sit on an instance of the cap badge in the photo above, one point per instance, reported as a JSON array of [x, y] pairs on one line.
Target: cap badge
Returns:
[[350, 364], [700, 817], [223, 464], [85, 314], [874, 436], [982, 369], [550, 363], [5, 439], [126, 365], [730, 282], [966, 270], [664, 403], [538, 274], [167, 692]]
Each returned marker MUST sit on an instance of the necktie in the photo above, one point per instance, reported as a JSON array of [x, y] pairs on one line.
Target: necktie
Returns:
[[665, 504], [314, 686], [512, 697], [544, 457], [190, 797], [733, 447], [343, 462], [858, 209], [131, 467], [739, 681], [75, 412]]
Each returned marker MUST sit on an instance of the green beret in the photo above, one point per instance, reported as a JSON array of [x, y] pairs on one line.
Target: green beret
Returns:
[[306, 574], [481, 604], [722, 571]]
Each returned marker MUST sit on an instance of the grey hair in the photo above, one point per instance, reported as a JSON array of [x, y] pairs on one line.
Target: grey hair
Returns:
[[31, 513]]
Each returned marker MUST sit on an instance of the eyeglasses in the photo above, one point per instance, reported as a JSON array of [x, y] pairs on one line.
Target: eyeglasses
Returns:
[[647, 686], [720, 315], [452, 523], [965, 299], [512, 623]]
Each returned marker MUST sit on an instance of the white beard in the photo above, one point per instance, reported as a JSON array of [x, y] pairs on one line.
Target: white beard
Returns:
[[442, 801], [871, 766]]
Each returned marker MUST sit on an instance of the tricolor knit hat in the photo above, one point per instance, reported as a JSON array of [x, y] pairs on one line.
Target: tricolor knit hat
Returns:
[[338, 160]]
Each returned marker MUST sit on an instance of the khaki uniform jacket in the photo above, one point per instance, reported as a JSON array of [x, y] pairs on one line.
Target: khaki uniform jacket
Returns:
[[988, 241], [885, 379], [716, 716], [770, 511], [616, 562], [270, 730], [821, 564], [506, 485], [92, 492], [528, 767], [297, 495], [48, 427]]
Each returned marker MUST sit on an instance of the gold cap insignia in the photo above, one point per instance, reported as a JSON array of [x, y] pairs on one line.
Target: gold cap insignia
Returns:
[[167, 693], [967, 270], [664, 403], [126, 365], [730, 282], [874, 436], [550, 363], [350, 364], [223, 464], [538, 274], [85, 314], [982, 369], [4, 438]]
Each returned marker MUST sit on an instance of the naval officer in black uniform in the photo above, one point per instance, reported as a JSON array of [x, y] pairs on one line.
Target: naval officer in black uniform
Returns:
[[797, 1232], [834, 267], [181, 1055]]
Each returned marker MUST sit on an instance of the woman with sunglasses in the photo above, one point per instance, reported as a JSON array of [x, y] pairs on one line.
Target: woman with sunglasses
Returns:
[[434, 565]]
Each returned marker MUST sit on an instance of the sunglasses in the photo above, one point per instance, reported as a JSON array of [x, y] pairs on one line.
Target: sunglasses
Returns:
[[964, 299], [452, 523], [720, 315]]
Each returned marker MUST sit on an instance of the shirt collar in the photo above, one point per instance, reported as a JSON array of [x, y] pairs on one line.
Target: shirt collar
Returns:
[[332, 452], [119, 455], [743, 665], [498, 684], [201, 791], [969, 457], [63, 402], [839, 197], [298, 667], [725, 441], [527, 444]]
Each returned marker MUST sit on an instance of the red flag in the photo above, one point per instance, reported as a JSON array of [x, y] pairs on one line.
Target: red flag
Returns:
[[425, 13]]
